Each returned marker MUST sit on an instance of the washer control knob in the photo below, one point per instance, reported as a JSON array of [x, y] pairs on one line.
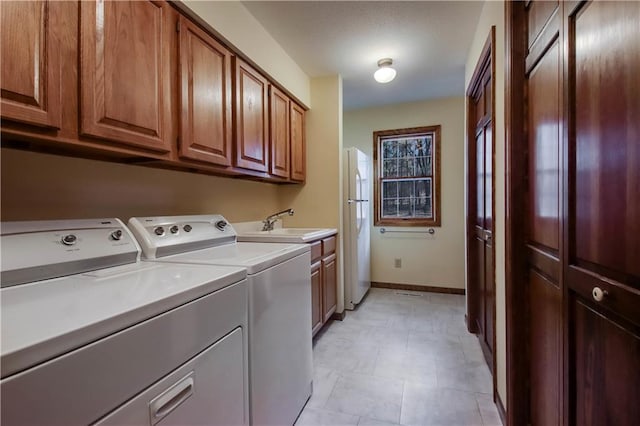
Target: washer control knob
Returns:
[[116, 235], [221, 224], [187, 228], [159, 231], [174, 229], [69, 240]]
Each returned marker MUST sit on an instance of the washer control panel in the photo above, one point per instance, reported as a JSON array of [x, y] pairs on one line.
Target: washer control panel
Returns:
[[165, 235]]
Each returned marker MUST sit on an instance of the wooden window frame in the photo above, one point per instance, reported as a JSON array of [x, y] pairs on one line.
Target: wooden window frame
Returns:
[[435, 191]]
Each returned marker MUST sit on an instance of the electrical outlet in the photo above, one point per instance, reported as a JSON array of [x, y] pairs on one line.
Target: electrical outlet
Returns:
[[397, 263]]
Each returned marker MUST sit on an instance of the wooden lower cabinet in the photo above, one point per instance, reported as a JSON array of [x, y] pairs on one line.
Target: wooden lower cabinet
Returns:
[[324, 279], [329, 295], [317, 319]]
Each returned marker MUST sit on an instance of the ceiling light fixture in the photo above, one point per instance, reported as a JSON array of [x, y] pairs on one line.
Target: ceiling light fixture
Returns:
[[385, 73]]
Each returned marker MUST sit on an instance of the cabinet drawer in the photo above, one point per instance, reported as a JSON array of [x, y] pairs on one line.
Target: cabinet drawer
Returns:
[[316, 251], [328, 245]]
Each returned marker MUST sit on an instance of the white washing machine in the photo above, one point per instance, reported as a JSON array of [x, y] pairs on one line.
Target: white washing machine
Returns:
[[90, 335], [280, 347]]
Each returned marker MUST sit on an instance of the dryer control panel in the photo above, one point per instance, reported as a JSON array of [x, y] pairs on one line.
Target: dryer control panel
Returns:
[[38, 250]]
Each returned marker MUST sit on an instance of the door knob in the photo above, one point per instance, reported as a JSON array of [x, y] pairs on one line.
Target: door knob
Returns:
[[598, 294]]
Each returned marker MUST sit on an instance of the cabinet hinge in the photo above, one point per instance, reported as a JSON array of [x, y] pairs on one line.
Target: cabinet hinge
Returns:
[[178, 27]]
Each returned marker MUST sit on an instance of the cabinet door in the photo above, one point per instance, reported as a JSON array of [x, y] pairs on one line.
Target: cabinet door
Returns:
[[252, 125], [205, 86], [30, 77], [329, 281], [316, 297], [298, 155], [279, 133], [125, 72]]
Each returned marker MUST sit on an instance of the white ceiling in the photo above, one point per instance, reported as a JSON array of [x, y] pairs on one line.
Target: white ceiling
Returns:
[[427, 40]]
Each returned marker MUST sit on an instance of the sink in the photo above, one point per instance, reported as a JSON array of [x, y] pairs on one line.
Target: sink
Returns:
[[286, 235]]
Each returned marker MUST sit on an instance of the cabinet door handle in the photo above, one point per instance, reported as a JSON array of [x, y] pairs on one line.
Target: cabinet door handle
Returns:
[[163, 404]]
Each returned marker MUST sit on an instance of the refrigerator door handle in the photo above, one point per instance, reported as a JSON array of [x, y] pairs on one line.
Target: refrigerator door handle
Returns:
[[351, 201]]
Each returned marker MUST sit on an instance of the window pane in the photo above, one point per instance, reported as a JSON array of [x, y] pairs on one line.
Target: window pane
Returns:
[[389, 208], [423, 188], [404, 207], [390, 168], [421, 147], [406, 189], [402, 149], [423, 207], [406, 168], [389, 189], [389, 149], [412, 147], [422, 166]]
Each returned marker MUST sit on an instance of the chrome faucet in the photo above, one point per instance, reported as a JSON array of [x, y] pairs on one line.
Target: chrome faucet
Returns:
[[271, 220]]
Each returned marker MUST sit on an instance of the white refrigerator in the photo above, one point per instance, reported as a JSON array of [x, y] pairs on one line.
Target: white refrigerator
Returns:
[[357, 223]]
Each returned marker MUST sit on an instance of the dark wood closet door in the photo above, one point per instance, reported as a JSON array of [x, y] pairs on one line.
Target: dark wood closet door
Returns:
[[543, 236], [482, 240], [603, 215], [481, 294], [573, 117]]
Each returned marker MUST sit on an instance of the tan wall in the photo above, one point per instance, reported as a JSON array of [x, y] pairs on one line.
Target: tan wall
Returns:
[[234, 22], [41, 186], [317, 203], [436, 260], [493, 14]]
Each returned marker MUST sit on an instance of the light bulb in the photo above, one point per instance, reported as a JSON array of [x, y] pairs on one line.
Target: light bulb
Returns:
[[385, 73]]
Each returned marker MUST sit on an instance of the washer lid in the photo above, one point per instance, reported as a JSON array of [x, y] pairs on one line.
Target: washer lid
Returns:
[[256, 257], [45, 319]]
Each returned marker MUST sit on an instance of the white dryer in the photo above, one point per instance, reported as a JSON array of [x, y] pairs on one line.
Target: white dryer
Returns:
[[279, 278], [90, 335]]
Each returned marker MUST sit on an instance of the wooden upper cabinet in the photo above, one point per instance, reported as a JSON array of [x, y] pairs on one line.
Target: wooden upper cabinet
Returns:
[[279, 133], [125, 69], [205, 97], [251, 119], [298, 154], [30, 79]]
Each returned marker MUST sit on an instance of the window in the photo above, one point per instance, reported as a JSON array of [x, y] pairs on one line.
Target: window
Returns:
[[407, 177]]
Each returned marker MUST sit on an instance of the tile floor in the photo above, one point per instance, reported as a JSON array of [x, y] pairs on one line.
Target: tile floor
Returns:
[[402, 358]]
